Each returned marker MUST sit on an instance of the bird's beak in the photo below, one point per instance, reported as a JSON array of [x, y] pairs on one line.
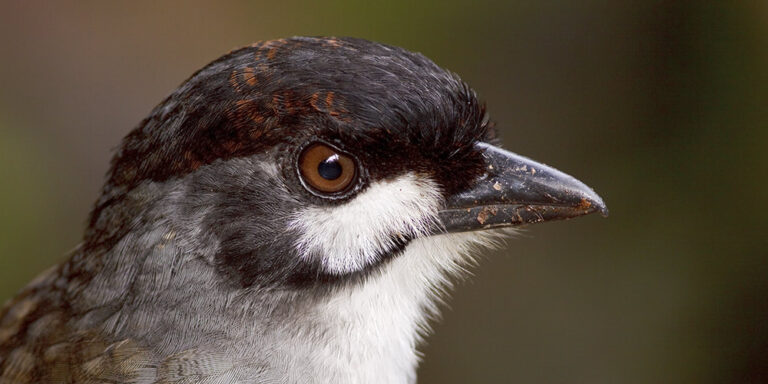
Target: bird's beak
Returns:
[[516, 191]]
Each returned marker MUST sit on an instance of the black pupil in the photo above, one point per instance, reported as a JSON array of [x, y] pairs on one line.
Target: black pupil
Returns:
[[330, 169]]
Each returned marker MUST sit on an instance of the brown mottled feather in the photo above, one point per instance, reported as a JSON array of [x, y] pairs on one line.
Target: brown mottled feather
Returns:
[[39, 345]]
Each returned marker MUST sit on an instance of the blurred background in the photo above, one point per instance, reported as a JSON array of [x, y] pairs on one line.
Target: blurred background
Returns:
[[658, 105]]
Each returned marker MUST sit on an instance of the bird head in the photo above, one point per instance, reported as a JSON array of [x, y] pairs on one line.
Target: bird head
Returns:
[[311, 161]]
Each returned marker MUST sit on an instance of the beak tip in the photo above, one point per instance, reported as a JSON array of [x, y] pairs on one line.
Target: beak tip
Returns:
[[596, 204], [603, 210]]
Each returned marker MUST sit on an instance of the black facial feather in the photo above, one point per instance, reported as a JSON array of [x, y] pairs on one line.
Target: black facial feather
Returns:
[[395, 110]]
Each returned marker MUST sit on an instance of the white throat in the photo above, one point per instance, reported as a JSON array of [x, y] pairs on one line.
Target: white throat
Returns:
[[376, 327]]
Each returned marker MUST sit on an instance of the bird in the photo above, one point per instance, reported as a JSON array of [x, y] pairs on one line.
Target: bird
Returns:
[[294, 212]]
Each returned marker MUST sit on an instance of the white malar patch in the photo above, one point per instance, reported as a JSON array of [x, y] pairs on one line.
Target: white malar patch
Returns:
[[350, 237]]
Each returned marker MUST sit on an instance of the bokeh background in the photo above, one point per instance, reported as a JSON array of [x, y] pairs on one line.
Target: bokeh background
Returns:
[[659, 105]]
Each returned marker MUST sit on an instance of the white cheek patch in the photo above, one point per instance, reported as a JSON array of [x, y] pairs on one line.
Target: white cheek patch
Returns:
[[351, 236]]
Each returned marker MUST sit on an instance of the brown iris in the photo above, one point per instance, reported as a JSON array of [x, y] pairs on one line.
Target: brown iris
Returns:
[[326, 169]]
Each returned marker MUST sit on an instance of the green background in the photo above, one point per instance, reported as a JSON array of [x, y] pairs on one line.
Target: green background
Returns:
[[658, 105]]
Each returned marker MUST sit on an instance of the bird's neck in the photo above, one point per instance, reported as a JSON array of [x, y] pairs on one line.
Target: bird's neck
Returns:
[[364, 332]]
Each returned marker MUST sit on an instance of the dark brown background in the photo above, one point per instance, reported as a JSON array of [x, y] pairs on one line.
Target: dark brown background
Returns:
[[659, 105]]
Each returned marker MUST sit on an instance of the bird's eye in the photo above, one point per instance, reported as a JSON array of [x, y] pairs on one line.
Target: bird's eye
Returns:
[[326, 169]]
